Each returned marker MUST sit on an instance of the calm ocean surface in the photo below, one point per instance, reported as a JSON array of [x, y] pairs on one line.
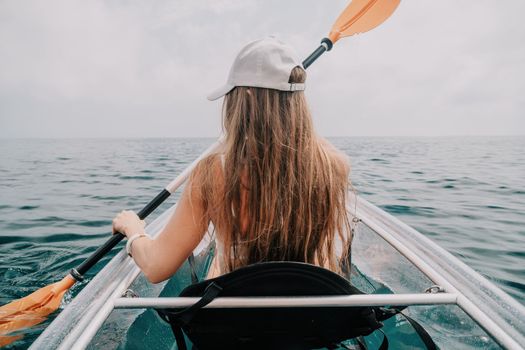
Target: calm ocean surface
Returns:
[[57, 199]]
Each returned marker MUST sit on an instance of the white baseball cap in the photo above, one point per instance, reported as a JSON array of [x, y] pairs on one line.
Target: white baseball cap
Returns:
[[265, 63]]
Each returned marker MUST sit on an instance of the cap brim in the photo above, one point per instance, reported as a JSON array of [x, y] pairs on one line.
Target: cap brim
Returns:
[[223, 90]]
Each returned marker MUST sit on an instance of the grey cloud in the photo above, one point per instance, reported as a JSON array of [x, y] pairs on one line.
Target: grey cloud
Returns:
[[139, 68]]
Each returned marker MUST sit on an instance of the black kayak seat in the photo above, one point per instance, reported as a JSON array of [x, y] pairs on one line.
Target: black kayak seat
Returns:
[[273, 328]]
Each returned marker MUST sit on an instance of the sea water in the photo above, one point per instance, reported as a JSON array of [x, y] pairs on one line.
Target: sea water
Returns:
[[57, 199]]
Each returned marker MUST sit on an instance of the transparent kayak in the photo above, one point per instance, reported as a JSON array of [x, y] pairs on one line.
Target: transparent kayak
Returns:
[[391, 261]]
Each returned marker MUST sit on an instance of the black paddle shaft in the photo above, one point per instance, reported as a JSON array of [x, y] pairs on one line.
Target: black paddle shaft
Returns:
[[326, 45], [116, 238]]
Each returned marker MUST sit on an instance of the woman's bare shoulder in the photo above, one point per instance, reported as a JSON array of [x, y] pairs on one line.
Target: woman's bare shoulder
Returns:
[[208, 171], [211, 162]]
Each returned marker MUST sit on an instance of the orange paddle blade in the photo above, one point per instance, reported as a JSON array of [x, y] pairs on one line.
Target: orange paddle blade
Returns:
[[361, 16], [8, 339], [32, 309]]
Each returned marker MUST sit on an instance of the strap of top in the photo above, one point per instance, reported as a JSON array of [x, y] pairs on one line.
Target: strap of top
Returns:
[[223, 161]]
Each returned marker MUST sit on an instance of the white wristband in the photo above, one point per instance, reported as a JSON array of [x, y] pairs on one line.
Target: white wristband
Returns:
[[130, 242]]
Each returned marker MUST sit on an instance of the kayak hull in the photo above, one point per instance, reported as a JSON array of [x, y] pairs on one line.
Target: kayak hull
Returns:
[[388, 257]]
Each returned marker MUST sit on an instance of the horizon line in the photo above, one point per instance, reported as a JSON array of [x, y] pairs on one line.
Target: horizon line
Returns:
[[215, 137]]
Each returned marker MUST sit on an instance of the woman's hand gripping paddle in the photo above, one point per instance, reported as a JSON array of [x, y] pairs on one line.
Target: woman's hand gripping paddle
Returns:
[[358, 17], [34, 308]]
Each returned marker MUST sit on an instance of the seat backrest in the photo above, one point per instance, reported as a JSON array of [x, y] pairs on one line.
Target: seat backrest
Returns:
[[271, 328]]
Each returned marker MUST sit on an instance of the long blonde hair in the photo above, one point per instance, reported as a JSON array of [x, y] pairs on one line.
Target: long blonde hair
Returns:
[[294, 184]]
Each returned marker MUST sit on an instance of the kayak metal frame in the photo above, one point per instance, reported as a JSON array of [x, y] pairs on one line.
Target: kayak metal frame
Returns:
[[280, 302], [502, 317]]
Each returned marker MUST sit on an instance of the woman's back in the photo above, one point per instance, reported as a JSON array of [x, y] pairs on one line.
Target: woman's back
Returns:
[[220, 263], [278, 191]]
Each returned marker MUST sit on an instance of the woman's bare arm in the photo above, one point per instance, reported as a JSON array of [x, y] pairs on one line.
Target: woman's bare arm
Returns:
[[161, 257]]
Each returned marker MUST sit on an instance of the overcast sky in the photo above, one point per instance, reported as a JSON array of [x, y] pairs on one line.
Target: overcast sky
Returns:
[[101, 68]]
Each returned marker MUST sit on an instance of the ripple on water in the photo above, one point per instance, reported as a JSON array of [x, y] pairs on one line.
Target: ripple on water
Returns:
[[379, 160], [66, 181], [28, 207], [52, 238], [109, 198], [136, 177], [408, 210], [517, 253], [94, 223], [497, 207]]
